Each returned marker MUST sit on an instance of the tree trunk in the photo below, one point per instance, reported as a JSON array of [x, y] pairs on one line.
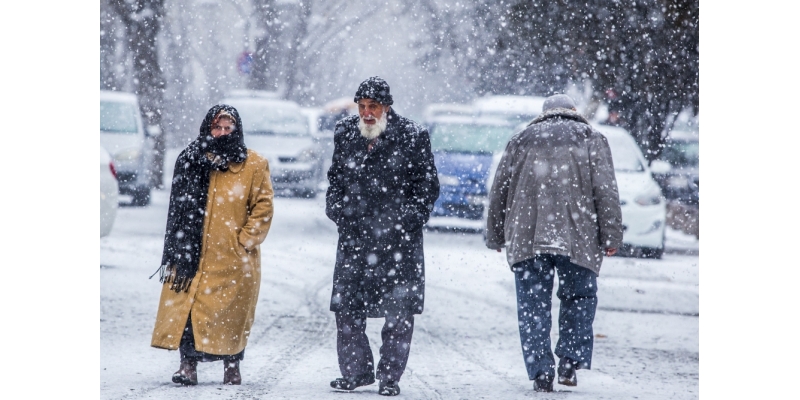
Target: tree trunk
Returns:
[[142, 20], [264, 75]]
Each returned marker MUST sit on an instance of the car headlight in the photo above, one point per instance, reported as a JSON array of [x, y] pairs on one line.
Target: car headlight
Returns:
[[448, 180], [648, 199]]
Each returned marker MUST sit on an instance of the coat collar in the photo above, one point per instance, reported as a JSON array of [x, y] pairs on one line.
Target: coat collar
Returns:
[[562, 113], [235, 167]]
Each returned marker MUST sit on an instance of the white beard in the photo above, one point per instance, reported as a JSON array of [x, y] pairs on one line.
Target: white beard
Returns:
[[372, 131]]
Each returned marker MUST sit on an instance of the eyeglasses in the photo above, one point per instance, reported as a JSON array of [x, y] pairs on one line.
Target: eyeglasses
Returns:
[[223, 128]]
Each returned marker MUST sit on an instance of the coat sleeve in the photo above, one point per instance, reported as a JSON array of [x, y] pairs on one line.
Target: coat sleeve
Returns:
[[498, 201], [259, 219], [335, 193], [424, 184], [606, 194]]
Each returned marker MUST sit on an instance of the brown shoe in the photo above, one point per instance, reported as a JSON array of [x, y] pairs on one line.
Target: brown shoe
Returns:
[[187, 374], [232, 375]]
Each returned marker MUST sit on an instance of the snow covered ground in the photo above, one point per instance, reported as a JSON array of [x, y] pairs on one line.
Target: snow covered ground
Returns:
[[466, 343]]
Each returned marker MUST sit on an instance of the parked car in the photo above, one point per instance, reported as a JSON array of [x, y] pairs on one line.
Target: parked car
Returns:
[[323, 135], [280, 131], [122, 133], [517, 109], [678, 175], [466, 151], [643, 205], [109, 193]]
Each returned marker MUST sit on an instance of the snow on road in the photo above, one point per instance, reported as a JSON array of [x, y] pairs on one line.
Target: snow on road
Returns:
[[466, 343]]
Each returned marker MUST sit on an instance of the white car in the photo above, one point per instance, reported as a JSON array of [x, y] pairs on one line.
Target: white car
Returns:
[[109, 193], [279, 130], [644, 209], [122, 133]]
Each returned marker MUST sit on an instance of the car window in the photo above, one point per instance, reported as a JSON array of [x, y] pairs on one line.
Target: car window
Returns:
[[469, 138], [681, 153], [116, 117], [625, 154], [261, 119]]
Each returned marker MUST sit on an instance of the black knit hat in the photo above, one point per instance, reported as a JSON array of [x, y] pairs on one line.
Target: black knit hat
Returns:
[[376, 89]]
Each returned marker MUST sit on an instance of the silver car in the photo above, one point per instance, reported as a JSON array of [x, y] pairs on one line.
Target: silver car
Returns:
[[122, 133], [279, 130]]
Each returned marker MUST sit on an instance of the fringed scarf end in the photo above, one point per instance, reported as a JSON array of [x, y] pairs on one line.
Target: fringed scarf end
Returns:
[[181, 284], [169, 276]]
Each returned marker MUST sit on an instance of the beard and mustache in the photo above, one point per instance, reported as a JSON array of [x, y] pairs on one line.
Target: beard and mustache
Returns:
[[374, 130]]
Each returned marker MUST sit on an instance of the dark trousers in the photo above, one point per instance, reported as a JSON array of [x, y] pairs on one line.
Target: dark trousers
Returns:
[[577, 292], [355, 356], [188, 351]]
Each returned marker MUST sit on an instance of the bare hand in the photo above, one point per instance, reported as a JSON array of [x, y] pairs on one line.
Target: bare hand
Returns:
[[611, 251], [499, 250]]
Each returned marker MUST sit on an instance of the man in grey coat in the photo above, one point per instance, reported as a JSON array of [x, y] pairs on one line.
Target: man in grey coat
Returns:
[[555, 202]]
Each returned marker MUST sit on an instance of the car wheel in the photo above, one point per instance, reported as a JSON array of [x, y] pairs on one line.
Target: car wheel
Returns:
[[141, 197], [650, 252]]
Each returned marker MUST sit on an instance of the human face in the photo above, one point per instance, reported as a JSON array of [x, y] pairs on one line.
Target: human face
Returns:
[[222, 127], [371, 111]]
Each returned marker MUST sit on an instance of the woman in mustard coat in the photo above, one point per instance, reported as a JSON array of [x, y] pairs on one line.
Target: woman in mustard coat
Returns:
[[220, 211]]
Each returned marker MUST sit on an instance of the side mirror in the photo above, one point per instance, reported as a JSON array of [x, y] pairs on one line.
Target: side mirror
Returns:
[[153, 130], [660, 167]]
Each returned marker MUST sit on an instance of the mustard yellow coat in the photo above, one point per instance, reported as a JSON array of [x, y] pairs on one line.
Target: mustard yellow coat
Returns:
[[222, 297]]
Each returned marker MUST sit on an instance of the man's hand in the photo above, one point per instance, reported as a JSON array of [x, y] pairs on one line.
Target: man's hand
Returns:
[[499, 250], [611, 251]]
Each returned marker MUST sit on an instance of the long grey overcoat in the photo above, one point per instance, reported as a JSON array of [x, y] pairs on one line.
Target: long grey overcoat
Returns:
[[555, 192], [379, 200]]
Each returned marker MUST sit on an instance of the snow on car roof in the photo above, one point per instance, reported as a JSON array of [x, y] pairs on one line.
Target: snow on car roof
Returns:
[[123, 97], [436, 109], [510, 104], [250, 101]]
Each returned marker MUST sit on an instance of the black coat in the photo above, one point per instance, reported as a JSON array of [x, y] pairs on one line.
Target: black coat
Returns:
[[379, 201]]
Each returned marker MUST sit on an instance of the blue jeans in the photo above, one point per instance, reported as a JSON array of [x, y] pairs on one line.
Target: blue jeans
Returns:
[[578, 294]]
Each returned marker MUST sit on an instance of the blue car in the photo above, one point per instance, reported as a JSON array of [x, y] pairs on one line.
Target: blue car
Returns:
[[466, 151]]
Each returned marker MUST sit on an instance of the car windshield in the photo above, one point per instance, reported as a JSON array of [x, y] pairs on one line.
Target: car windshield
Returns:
[[681, 153], [470, 138], [117, 117], [625, 154], [515, 118], [272, 120]]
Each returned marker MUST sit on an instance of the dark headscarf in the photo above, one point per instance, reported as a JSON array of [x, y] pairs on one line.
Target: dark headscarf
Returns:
[[183, 240]]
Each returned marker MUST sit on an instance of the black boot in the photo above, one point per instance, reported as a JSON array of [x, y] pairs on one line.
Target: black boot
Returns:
[[566, 372], [353, 382], [187, 374], [543, 383], [388, 388], [231, 375]]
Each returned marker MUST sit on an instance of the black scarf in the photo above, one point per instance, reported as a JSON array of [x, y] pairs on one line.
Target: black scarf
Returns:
[[183, 240]]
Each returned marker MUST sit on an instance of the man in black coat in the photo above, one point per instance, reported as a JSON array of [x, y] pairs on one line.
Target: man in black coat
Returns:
[[383, 184]]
